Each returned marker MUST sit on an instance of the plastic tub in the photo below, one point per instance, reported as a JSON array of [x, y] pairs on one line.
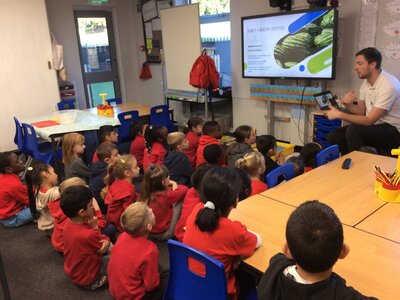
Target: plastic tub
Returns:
[[66, 116]]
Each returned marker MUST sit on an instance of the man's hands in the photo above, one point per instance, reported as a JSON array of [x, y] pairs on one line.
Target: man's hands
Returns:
[[332, 113], [349, 98]]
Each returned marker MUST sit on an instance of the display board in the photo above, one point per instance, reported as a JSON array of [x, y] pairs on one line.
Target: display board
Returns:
[[182, 45]]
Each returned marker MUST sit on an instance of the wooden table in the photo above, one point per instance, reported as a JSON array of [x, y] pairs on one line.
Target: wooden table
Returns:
[[372, 266], [385, 222], [349, 192]]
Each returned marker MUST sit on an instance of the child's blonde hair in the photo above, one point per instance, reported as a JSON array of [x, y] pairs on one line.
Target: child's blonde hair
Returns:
[[134, 218], [253, 163], [73, 181], [68, 144], [174, 139]]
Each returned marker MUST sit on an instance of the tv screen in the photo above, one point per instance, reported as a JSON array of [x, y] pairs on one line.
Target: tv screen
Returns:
[[298, 44]]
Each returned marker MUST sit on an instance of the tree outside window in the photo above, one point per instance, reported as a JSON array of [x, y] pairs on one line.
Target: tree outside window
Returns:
[[213, 7]]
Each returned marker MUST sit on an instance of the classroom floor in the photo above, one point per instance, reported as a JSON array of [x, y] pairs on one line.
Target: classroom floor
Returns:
[[34, 269]]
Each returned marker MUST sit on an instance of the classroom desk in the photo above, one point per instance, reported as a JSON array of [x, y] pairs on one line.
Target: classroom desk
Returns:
[[349, 192], [385, 222], [144, 110], [372, 266]]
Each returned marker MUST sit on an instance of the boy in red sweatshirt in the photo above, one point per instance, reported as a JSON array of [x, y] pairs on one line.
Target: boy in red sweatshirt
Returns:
[[84, 246], [211, 132], [14, 201]]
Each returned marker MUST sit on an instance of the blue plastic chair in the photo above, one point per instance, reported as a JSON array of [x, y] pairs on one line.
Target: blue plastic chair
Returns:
[[159, 115], [42, 151], [184, 284], [328, 154], [286, 170], [66, 104], [126, 119], [114, 101], [19, 137]]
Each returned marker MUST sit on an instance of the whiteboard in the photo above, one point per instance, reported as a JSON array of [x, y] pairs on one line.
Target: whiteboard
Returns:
[[181, 42]]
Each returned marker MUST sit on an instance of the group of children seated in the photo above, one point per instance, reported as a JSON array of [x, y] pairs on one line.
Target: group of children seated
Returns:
[[106, 229]]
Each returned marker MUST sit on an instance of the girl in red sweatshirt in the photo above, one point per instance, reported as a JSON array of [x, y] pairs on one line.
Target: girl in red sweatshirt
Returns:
[[156, 145], [194, 131], [162, 196]]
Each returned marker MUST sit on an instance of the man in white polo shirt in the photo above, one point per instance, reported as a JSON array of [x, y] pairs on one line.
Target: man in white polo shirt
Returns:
[[375, 115]]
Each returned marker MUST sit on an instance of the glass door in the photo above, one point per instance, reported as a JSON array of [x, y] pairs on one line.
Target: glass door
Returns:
[[98, 55]]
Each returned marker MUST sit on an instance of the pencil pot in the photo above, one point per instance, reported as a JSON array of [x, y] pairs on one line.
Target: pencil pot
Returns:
[[386, 192]]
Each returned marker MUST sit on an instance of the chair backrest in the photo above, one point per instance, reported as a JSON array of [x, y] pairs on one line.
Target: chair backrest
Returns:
[[159, 115], [185, 284], [126, 119], [19, 136], [286, 170], [30, 140], [328, 154], [66, 104], [114, 101]]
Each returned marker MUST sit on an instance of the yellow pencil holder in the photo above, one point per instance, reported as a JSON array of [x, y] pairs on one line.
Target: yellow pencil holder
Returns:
[[388, 193], [106, 111]]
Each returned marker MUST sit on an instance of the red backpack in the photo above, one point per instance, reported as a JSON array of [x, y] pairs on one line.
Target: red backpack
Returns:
[[204, 73]]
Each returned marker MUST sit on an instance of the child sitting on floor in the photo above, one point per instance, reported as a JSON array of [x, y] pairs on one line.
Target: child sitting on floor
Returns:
[[193, 132], [73, 147], [108, 135], [84, 246], [177, 163], [133, 268], [192, 198], [254, 164], [245, 136], [212, 154], [120, 192], [162, 196], [138, 143], [309, 155], [211, 132], [266, 145], [14, 201], [44, 179], [298, 164], [209, 229], [314, 242], [156, 145], [107, 153]]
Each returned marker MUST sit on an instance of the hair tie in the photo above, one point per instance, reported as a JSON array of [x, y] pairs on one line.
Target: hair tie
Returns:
[[121, 160], [209, 205]]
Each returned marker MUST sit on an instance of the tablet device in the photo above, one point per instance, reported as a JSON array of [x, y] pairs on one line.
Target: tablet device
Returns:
[[323, 100]]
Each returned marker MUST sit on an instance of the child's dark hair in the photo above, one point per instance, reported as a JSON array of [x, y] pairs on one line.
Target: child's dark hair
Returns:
[[198, 175], [193, 122], [153, 134], [5, 161], [104, 150], [36, 176], [265, 143], [314, 236], [212, 154], [308, 154], [245, 184], [241, 133], [75, 198], [298, 164], [153, 181], [137, 128], [105, 130], [220, 186], [210, 127]]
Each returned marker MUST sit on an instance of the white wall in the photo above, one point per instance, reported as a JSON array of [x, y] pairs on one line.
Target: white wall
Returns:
[[252, 112], [129, 36], [28, 88]]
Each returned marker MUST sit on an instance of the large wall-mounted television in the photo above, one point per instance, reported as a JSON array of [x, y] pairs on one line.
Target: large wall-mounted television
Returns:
[[297, 44]]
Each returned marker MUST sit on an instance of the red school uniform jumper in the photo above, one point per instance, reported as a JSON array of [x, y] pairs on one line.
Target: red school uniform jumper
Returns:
[[137, 149], [13, 195], [133, 267], [81, 261], [156, 156], [204, 141], [227, 243], [120, 195], [191, 151], [257, 186], [192, 198], [162, 207]]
